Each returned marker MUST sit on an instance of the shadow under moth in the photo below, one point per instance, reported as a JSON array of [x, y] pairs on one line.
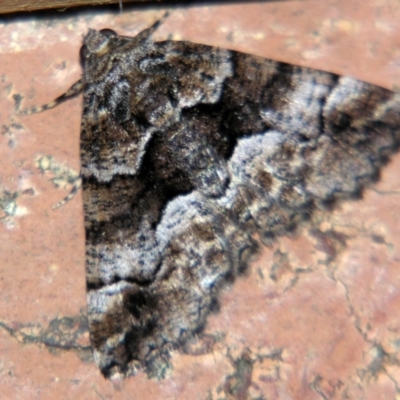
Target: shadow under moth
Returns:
[[189, 152]]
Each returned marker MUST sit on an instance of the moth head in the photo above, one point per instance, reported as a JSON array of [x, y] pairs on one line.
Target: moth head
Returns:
[[97, 43]]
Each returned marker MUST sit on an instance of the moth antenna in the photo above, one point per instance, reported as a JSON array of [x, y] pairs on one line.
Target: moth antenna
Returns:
[[71, 195], [74, 90], [148, 32]]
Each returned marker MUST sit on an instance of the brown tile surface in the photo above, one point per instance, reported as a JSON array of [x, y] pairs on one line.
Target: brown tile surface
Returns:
[[316, 317]]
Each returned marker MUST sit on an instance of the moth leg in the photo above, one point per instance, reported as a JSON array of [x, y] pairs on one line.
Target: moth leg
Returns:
[[72, 193], [74, 90]]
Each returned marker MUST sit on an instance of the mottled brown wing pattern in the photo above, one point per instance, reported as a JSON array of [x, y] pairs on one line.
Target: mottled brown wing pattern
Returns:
[[187, 151]]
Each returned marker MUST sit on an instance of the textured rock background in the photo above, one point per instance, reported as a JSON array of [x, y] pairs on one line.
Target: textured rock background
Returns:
[[316, 317]]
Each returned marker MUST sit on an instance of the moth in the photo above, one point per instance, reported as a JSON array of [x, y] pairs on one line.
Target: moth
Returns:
[[189, 155]]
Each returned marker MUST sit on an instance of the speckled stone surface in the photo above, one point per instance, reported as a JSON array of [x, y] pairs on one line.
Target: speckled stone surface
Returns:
[[315, 317]]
